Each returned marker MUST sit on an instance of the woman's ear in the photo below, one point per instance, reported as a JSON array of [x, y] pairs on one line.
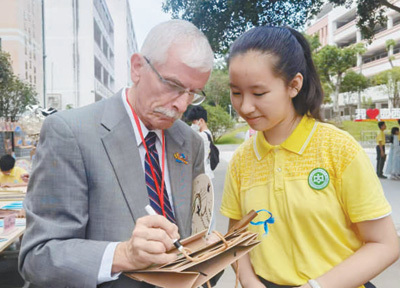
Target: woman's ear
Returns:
[[136, 65], [295, 85]]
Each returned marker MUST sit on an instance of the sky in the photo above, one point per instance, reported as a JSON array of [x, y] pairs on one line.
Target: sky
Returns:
[[145, 15]]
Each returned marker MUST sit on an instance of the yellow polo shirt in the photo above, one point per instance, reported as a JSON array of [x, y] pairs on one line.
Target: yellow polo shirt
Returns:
[[381, 137], [14, 177], [316, 184]]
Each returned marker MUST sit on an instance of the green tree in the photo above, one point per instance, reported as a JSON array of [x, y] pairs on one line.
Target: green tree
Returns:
[[391, 81], [389, 45], [218, 120], [367, 103], [354, 83], [332, 62], [5, 69], [15, 94], [313, 41], [217, 89], [223, 20]]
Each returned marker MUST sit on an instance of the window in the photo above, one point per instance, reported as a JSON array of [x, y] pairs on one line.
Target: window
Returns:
[[96, 33], [105, 47], [105, 77], [97, 69]]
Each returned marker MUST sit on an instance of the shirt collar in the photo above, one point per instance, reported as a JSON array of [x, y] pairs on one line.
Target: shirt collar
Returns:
[[145, 131], [12, 173], [297, 142]]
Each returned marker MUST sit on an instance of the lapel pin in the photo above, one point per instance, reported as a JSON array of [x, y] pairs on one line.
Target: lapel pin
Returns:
[[180, 158]]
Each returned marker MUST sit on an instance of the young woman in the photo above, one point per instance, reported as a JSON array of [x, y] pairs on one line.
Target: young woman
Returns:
[[393, 164], [332, 223]]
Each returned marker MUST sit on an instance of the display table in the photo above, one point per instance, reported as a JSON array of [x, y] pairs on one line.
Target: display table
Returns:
[[7, 240], [19, 229]]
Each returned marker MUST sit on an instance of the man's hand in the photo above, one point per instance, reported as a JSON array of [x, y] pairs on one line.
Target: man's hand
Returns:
[[152, 237]]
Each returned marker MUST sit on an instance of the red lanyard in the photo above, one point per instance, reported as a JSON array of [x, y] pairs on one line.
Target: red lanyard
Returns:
[[159, 193]]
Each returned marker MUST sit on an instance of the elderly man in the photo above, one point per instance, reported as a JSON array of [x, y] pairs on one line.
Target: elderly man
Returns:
[[97, 168]]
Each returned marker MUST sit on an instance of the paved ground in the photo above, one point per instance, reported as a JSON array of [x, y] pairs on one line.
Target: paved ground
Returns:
[[390, 278]]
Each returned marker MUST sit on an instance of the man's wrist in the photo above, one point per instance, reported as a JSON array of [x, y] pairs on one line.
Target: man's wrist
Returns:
[[120, 261]]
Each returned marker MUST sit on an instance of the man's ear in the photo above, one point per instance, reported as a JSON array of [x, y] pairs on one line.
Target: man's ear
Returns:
[[136, 67], [296, 84]]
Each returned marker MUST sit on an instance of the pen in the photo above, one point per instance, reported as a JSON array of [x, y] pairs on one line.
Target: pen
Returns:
[[176, 242]]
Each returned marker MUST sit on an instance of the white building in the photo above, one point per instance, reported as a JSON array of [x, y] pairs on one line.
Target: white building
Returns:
[[125, 40], [337, 26], [79, 52], [21, 37]]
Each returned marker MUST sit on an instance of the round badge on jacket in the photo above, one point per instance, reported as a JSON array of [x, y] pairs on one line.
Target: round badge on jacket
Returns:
[[318, 178]]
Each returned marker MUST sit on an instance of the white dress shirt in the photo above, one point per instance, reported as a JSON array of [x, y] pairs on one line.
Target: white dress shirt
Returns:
[[108, 256]]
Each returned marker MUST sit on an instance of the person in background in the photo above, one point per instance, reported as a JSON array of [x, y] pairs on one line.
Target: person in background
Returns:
[[198, 117], [325, 219], [380, 149], [11, 175], [97, 167], [393, 163]]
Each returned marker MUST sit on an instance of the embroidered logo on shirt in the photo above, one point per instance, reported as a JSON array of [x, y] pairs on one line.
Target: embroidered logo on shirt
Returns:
[[180, 158], [318, 178]]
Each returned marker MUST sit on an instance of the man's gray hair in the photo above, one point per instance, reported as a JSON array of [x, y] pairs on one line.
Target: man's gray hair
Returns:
[[199, 54]]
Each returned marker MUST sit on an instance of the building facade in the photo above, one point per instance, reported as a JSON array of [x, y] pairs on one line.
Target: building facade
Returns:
[[79, 52], [125, 40], [337, 26], [21, 37]]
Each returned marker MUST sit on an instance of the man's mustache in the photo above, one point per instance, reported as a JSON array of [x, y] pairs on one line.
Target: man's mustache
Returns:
[[167, 112]]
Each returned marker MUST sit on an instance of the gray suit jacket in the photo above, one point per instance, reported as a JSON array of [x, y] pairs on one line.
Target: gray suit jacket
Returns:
[[88, 188]]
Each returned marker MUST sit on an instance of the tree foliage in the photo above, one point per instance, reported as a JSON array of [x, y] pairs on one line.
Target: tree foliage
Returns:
[[223, 20], [332, 62], [15, 94], [218, 121], [217, 89], [354, 82], [391, 81], [389, 45], [313, 41]]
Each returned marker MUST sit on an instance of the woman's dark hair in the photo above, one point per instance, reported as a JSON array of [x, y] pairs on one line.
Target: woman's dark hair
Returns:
[[294, 56], [393, 132]]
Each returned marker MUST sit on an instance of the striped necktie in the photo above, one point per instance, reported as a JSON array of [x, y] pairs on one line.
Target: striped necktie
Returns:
[[151, 187]]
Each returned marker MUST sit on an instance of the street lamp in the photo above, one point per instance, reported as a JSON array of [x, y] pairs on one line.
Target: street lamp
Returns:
[[230, 110]]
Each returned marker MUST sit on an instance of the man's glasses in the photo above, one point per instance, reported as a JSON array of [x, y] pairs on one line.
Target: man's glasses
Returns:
[[197, 96]]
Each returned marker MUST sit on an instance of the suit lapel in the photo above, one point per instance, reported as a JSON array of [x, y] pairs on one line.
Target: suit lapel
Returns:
[[120, 144], [180, 179]]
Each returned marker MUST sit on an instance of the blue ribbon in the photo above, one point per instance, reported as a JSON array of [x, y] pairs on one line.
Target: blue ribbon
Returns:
[[270, 220]]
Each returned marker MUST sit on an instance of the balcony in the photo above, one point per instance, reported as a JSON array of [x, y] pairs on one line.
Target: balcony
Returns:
[[381, 37], [345, 32], [102, 90]]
